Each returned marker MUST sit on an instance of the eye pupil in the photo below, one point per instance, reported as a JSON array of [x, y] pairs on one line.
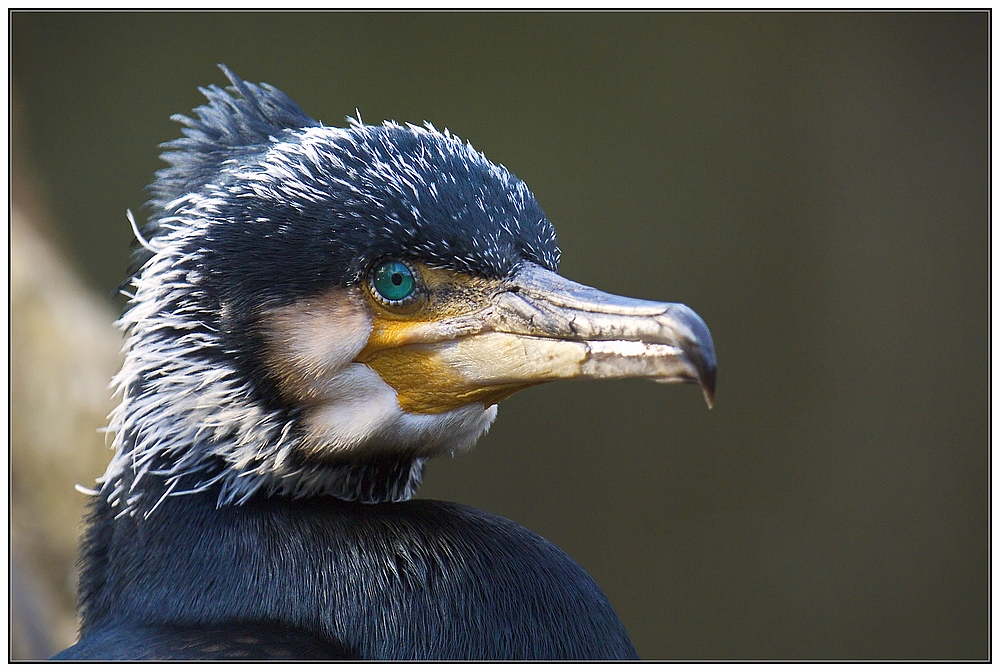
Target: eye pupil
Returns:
[[393, 281]]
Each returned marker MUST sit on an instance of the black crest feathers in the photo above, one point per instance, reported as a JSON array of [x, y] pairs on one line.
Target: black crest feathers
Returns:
[[235, 120]]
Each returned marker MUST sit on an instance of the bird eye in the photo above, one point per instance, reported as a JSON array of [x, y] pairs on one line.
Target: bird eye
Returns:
[[393, 281]]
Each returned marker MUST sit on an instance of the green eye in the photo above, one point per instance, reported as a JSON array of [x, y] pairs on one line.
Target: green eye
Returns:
[[393, 281]]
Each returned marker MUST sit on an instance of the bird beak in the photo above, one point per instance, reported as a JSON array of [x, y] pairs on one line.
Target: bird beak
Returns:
[[539, 327], [569, 330]]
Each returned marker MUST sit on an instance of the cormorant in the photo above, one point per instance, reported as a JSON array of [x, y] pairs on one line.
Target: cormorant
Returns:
[[316, 312]]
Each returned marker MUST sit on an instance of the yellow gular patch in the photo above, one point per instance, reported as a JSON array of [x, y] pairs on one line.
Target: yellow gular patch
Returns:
[[444, 308], [426, 384]]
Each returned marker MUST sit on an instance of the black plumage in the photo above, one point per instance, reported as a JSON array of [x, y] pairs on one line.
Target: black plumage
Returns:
[[256, 504], [408, 580]]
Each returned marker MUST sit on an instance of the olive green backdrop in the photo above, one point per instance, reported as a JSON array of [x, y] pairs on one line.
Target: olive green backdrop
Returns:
[[816, 186]]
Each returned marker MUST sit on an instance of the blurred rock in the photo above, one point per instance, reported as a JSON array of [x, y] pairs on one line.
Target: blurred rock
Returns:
[[64, 351]]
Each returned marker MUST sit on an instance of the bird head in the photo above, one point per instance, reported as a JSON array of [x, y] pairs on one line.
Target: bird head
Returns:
[[318, 310]]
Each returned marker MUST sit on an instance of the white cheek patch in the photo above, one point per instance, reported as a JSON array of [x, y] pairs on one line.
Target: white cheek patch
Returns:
[[348, 409], [359, 414], [312, 340]]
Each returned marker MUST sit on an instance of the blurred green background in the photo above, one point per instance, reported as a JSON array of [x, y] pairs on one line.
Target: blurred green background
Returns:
[[816, 186]]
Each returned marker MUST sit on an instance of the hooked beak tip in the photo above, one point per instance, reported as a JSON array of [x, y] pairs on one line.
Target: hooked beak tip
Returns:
[[699, 349], [708, 386]]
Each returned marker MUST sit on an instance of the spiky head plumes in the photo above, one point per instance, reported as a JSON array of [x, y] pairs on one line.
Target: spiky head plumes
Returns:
[[263, 220]]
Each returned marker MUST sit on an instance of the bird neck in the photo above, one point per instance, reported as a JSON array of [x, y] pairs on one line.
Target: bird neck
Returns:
[[380, 478]]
